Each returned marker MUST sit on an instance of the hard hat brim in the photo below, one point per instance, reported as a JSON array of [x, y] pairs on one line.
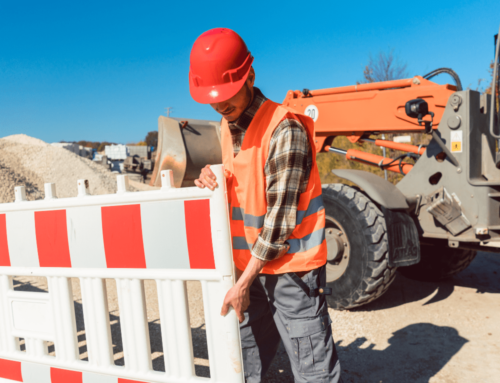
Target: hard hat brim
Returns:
[[215, 93]]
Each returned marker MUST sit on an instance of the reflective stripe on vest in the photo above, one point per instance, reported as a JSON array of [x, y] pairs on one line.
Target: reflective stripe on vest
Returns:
[[238, 214], [296, 245]]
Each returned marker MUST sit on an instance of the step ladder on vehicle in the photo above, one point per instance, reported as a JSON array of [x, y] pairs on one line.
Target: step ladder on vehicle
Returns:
[[170, 236]]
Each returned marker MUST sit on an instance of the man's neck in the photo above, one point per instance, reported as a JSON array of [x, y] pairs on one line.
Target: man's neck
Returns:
[[249, 104], [243, 121]]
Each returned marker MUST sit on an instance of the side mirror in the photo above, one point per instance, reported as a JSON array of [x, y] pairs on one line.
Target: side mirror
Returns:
[[417, 108]]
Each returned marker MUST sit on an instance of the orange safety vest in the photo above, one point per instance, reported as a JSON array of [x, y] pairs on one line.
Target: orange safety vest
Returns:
[[246, 188]]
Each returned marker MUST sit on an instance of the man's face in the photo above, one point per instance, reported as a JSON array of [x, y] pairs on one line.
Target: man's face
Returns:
[[232, 109]]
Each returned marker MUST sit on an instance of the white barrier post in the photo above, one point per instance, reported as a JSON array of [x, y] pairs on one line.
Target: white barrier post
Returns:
[[122, 183], [63, 315], [8, 343], [223, 335], [50, 191], [170, 235], [96, 316], [20, 193]]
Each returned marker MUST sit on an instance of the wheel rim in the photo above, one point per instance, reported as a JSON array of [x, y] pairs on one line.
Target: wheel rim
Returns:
[[338, 247]]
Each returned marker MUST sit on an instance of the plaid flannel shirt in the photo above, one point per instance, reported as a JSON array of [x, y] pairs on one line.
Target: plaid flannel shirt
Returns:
[[287, 172]]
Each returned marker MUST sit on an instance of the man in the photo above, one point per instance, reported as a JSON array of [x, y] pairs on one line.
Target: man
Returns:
[[276, 210]]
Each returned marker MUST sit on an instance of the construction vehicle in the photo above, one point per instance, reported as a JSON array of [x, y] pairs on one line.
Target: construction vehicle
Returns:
[[433, 222], [185, 146]]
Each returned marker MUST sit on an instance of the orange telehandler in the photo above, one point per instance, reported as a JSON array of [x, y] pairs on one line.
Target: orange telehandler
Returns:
[[432, 223]]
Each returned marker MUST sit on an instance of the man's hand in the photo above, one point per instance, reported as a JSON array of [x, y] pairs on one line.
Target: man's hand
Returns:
[[207, 179], [238, 297]]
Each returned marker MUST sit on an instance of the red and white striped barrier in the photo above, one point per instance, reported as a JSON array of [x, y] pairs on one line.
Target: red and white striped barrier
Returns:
[[170, 235], [123, 236]]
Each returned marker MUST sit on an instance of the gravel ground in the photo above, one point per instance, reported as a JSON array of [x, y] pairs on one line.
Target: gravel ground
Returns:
[[418, 332], [31, 162]]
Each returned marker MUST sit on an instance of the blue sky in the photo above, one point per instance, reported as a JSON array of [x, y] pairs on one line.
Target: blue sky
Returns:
[[74, 70]]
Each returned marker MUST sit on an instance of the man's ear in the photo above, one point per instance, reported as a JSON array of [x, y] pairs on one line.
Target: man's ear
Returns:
[[251, 78]]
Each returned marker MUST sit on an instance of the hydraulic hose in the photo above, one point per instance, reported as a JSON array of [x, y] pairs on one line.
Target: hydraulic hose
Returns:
[[394, 165], [449, 71]]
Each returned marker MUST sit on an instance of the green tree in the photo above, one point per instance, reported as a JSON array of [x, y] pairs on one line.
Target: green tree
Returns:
[[152, 139], [101, 146]]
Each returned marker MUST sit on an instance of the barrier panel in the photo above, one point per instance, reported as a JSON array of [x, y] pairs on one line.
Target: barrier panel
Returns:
[[169, 235]]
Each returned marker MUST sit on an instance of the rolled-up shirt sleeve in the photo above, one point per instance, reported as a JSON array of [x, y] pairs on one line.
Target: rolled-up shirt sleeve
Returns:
[[287, 172]]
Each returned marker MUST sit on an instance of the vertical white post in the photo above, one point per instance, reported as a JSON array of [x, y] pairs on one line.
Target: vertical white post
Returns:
[[122, 184], [20, 193], [219, 219], [167, 179], [50, 190], [168, 331], [83, 188], [96, 315], [134, 325], [223, 334], [63, 310], [183, 326], [213, 331], [8, 343], [175, 328]]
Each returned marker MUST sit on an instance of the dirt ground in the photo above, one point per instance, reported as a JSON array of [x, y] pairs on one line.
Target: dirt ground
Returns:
[[421, 332], [418, 332]]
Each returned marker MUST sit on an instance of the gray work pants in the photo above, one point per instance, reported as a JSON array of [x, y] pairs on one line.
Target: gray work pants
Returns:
[[289, 308]]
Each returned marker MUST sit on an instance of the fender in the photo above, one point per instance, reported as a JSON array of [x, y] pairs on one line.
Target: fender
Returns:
[[402, 233], [378, 189]]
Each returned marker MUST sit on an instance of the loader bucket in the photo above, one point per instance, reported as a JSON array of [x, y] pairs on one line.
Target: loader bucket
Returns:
[[185, 146]]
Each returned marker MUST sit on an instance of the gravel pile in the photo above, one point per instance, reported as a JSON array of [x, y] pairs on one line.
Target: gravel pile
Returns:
[[31, 162]]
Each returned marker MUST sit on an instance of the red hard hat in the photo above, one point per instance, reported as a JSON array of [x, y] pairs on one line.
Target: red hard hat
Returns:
[[220, 63]]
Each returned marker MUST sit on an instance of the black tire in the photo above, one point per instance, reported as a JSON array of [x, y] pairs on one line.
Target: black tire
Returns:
[[367, 275], [438, 262]]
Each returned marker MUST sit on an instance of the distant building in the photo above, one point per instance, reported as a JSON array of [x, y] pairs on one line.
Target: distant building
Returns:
[[79, 150], [116, 152], [141, 151], [85, 152], [116, 155], [73, 148]]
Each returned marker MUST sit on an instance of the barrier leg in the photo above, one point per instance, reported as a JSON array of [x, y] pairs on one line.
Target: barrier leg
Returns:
[[8, 343], [223, 335], [96, 316], [63, 310], [175, 328], [134, 325]]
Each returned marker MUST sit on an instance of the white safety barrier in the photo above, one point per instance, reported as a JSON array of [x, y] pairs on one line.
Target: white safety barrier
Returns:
[[169, 235]]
